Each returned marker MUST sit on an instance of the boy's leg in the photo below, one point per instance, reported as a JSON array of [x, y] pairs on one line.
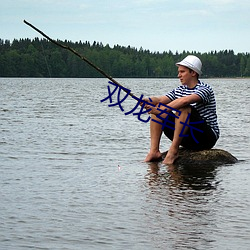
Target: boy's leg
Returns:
[[173, 151], [203, 138], [155, 137]]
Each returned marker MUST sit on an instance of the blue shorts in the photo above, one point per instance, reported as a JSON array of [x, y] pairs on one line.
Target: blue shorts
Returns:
[[206, 139]]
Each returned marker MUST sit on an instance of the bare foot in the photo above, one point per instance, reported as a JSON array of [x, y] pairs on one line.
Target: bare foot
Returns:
[[170, 157], [153, 156]]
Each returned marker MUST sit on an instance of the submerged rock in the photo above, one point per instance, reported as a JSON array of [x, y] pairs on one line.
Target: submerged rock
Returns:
[[204, 157]]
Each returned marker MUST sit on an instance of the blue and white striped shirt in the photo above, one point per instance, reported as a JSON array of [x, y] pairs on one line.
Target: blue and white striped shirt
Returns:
[[206, 108]]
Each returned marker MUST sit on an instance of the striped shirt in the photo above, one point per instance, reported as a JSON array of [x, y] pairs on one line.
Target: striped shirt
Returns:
[[206, 108]]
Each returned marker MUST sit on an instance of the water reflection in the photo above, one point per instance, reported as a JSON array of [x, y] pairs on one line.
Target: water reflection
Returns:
[[183, 177], [183, 197]]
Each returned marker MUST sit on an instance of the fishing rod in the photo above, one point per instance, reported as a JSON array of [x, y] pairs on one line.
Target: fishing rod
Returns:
[[83, 58]]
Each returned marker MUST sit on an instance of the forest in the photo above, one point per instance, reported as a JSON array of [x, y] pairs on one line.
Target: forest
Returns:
[[41, 58]]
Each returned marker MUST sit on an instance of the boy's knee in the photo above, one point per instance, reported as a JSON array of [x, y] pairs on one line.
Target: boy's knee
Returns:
[[186, 109]]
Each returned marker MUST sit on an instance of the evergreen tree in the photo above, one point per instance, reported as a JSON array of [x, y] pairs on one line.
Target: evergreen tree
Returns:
[[41, 58]]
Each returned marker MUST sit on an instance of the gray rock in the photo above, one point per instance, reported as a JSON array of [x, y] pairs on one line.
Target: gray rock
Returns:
[[213, 157]]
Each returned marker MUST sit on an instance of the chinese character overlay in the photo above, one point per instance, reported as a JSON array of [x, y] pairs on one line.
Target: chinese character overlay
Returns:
[[164, 114], [141, 109], [118, 95], [165, 119], [185, 124]]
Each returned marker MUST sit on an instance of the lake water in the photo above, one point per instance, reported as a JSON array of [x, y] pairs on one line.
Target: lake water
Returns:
[[72, 173]]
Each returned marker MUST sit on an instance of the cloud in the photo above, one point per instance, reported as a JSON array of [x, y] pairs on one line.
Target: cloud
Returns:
[[149, 2], [225, 5], [83, 6], [222, 2]]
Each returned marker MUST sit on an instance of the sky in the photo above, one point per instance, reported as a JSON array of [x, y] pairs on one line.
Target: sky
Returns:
[[155, 25]]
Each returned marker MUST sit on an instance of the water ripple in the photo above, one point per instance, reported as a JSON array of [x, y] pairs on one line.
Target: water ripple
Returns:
[[72, 173]]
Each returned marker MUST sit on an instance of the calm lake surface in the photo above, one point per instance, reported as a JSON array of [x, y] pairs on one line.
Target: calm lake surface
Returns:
[[72, 174]]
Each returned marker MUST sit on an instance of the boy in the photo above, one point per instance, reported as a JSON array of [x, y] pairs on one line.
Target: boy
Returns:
[[190, 114]]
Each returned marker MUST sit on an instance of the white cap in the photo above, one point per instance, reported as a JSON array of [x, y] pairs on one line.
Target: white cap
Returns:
[[191, 62]]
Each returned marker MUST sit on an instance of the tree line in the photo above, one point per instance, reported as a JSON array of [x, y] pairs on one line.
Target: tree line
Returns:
[[41, 58]]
